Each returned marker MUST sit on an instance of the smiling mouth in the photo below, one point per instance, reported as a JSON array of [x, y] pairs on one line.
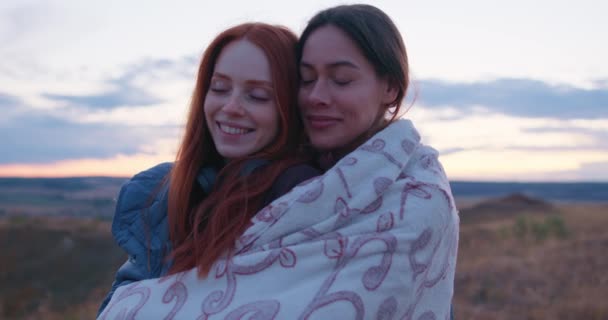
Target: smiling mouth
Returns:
[[233, 130], [321, 122]]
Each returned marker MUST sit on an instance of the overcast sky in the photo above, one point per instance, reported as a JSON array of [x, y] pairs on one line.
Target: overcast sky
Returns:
[[512, 91]]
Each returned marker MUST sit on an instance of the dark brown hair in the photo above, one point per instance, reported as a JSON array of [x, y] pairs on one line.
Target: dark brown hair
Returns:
[[376, 36]]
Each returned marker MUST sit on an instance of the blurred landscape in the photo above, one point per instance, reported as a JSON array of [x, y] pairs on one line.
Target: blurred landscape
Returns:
[[527, 250]]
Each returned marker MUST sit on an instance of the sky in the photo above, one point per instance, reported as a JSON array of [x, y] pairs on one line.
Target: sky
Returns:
[[504, 90]]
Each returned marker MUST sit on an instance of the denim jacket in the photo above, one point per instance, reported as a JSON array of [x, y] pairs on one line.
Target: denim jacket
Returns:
[[140, 221]]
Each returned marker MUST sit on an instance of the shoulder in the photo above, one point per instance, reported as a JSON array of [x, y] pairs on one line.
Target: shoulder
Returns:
[[299, 173], [141, 185], [424, 171], [419, 160], [146, 191], [296, 174], [291, 177], [424, 164]]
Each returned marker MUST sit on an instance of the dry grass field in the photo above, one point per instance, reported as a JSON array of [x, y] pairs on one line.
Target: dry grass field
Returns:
[[519, 258], [536, 262], [55, 267]]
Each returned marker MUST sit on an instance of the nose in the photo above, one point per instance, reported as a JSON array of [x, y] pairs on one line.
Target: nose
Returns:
[[319, 93], [233, 106]]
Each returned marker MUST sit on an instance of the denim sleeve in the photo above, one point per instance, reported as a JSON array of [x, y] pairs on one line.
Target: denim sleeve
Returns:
[[126, 274]]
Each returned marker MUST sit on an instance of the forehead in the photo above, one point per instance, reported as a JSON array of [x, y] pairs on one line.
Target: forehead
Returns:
[[241, 59], [329, 44]]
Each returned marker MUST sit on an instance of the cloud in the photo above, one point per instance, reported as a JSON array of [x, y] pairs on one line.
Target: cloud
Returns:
[[587, 172], [495, 130], [593, 171], [182, 67], [517, 97], [10, 106], [601, 83], [43, 139], [524, 165], [18, 20], [598, 138], [147, 92], [127, 89], [8, 100], [124, 95], [567, 128], [454, 150], [118, 118]]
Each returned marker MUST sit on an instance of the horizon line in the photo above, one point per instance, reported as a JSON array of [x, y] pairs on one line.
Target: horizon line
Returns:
[[451, 181]]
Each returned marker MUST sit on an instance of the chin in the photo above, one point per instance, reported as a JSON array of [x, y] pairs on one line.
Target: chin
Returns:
[[323, 145], [232, 154]]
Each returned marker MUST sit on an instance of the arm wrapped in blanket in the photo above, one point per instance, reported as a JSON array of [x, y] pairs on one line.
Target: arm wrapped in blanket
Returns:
[[374, 238]]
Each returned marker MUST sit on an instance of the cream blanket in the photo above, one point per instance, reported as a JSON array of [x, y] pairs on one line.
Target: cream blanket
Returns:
[[375, 237]]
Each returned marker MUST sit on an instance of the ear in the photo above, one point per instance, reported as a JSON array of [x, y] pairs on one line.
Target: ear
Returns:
[[390, 92]]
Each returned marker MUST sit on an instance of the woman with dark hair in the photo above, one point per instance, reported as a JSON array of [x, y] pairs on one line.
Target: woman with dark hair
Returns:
[[239, 152], [354, 76]]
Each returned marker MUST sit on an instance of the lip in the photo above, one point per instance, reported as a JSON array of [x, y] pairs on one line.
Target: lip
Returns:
[[321, 121]]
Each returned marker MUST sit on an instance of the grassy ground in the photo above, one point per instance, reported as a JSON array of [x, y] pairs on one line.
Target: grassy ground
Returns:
[[543, 264], [517, 260], [54, 265]]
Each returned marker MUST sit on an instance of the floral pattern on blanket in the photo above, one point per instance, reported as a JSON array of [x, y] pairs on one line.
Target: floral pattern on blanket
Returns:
[[375, 237]]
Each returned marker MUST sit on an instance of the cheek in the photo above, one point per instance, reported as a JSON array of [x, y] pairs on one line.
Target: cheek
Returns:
[[207, 112], [302, 95], [212, 106], [270, 120], [352, 103], [360, 111], [275, 124]]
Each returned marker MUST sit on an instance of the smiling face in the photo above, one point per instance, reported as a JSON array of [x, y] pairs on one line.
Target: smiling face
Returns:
[[240, 107], [341, 98]]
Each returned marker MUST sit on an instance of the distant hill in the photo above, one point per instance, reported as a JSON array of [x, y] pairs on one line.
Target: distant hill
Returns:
[[96, 196], [65, 184], [506, 207], [583, 192], [79, 197]]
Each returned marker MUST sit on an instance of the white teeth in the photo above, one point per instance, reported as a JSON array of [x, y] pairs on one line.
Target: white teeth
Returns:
[[232, 130]]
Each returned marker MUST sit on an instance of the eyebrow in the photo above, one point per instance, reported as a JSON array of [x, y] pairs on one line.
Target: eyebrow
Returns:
[[250, 82], [260, 83], [333, 65]]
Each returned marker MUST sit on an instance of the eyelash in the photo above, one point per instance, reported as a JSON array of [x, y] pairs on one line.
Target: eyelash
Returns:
[[306, 82], [258, 99], [342, 83], [250, 96], [337, 82], [218, 90]]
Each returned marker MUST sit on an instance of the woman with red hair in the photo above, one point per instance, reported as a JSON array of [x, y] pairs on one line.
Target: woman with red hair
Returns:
[[241, 149]]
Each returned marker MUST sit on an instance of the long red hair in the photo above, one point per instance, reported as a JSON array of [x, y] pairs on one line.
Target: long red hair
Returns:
[[203, 228]]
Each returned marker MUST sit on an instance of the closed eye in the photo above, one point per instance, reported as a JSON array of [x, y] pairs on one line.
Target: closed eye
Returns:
[[258, 98], [260, 95], [218, 89], [342, 82], [307, 75], [305, 82], [219, 85]]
